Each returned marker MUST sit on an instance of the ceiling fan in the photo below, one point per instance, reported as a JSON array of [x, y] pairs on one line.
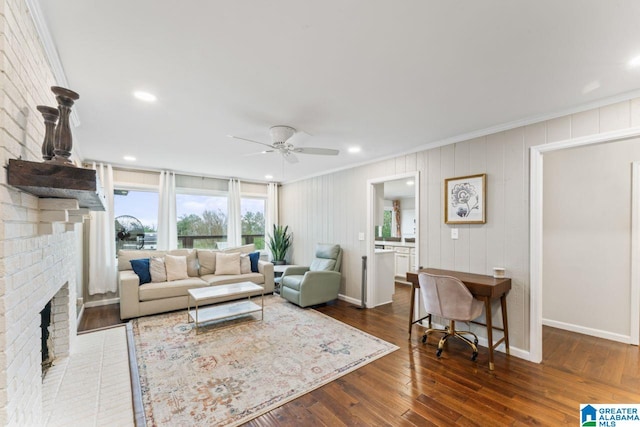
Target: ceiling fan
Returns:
[[280, 136]]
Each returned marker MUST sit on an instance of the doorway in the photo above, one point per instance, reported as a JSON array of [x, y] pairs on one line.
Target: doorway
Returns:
[[536, 232], [393, 221]]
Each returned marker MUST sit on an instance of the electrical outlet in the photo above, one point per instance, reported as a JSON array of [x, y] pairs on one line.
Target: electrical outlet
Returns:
[[454, 233], [361, 236]]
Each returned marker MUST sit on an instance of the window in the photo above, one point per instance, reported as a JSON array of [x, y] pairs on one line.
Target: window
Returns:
[[202, 221], [252, 210], [387, 222], [136, 218]]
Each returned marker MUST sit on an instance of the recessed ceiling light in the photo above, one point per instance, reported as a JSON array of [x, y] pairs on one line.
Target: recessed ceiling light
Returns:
[[354, 149], [268, 176], [410, 182], [634, 62], [145, 96], [129, 158]]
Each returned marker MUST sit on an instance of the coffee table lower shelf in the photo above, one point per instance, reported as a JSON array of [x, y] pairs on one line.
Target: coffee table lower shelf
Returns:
[[225, 310]]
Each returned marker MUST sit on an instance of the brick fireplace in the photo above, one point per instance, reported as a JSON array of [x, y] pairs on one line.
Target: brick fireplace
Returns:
[[36, 269]]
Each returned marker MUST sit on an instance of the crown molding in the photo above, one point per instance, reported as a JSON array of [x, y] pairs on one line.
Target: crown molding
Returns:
[[50, 50]]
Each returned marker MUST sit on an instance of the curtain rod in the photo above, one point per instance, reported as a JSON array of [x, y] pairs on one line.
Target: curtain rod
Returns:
[[88, 162]]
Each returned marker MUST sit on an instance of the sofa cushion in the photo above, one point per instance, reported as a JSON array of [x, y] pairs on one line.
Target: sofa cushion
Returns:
[[213, 279], [176, 267], [324, 250], [244, 249], [157, 269], [227, 263], [192, 260], [126, 255], [207, 261], [141, 268], [322, 264], [292, 282], [153, 291]]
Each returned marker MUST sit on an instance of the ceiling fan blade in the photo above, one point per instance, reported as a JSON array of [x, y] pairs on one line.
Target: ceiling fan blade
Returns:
[[290, 157], [312, 150], [250, 140]]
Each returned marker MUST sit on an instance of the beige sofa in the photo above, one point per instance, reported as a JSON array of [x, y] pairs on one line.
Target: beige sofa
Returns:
[[158, 297]]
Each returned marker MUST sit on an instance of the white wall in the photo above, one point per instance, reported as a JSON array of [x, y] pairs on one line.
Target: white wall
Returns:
[[333, 207], [587, 238]]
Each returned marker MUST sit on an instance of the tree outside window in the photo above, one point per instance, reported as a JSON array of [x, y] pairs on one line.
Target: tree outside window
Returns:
[[202, 221], [252, 210]]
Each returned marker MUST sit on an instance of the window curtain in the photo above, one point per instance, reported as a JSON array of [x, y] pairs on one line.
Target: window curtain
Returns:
[[271, 214], [102, 241], [234, 224], [167, 221]]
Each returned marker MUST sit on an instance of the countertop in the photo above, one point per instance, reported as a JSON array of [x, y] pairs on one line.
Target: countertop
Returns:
[[402, 244]]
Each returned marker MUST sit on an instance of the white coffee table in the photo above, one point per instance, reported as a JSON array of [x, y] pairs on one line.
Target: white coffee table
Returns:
[[219, 295]]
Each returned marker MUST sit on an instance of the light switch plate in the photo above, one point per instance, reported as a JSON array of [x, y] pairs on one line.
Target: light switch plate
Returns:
[[361, 236], [454, 233]]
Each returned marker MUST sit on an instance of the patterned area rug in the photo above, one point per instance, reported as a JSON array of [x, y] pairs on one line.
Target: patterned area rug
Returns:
[[234, 371]]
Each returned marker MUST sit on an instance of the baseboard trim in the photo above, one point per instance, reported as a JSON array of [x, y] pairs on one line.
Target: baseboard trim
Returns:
[[350, 300], [102, 302], [598, 333]]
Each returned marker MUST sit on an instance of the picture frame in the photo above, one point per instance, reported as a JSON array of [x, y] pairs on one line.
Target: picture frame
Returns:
[[465, 199]]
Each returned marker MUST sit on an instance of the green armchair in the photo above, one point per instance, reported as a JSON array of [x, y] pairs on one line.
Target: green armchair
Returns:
[[316, 284]]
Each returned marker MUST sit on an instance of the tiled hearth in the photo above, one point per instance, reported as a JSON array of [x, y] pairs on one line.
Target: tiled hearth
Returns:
[[92, 386]]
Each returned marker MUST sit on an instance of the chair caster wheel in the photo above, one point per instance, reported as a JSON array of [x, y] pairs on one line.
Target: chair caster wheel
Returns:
[[424, 339], [474, 356], [439, 352]]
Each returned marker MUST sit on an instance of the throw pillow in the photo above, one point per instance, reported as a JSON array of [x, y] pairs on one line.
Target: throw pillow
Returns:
[[207, 261], [157, 269], [254, 257], [245, 264], [192, 260], [227, 263], [176, 267], [141, 268]]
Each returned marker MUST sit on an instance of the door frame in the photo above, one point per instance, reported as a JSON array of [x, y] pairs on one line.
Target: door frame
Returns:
[[370, 236], [536, 243]]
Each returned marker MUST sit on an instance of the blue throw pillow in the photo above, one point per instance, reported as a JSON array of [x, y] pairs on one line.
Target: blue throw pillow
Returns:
[[141, 268], [254, 257]]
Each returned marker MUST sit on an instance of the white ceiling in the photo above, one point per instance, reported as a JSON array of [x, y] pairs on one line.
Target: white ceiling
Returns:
[[388, 76]]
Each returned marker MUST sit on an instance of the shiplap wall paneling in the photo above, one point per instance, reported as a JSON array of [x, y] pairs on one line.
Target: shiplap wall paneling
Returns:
[[461, 244], [447, 245], [478, 233]]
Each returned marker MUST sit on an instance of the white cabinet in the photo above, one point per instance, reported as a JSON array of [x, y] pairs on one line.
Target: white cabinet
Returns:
[[404, 260]]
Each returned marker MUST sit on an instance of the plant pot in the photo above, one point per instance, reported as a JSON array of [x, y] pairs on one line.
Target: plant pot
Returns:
[[279, 262]]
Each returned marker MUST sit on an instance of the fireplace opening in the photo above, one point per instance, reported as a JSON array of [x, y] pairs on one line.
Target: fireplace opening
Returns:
[[46, 344]]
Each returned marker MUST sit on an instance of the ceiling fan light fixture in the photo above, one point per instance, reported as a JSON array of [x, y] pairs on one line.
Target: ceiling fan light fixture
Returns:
[[280, 134]]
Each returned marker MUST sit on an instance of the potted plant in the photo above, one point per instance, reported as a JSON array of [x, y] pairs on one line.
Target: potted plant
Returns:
[[279, 243]]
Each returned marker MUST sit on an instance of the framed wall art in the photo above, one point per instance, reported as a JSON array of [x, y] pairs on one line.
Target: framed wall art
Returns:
[[465, 199]]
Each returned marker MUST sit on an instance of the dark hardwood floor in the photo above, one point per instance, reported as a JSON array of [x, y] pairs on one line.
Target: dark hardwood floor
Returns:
[[411, 386]]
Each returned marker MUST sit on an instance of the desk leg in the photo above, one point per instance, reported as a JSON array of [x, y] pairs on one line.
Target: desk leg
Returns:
[[412, 303], [503, 304], [487, 306]]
